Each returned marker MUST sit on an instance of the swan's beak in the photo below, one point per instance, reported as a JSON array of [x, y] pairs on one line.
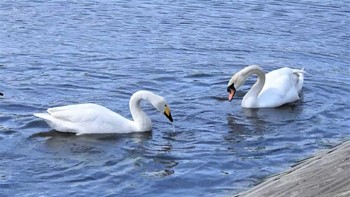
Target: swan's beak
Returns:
[[168, 114], [231, 93]]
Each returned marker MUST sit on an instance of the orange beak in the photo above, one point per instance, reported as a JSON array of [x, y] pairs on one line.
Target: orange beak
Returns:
[[231, 94]]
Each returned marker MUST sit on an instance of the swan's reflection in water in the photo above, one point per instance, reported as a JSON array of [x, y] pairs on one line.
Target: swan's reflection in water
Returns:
[[59, 141], [143, 154], [258, 122]]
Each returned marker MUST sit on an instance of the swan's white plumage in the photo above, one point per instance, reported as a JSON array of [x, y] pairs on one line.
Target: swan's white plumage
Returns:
[[274, 89], [91, 118]]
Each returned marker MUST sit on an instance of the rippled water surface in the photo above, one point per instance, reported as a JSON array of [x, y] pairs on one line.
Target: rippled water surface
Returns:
[[64, 52]]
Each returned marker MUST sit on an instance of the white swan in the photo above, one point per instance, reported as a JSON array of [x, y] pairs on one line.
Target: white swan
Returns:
[[91, 118], [274, 89]]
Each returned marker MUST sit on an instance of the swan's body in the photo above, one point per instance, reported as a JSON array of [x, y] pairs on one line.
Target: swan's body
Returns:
[[273, 89], [91, 118]]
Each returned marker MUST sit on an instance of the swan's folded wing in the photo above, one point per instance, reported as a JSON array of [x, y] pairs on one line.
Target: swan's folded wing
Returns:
[[72, 107], [76, 116], [281, 86], [79, 113]]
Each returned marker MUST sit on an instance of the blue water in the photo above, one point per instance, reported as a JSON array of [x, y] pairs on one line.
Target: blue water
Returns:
[[56, 53]]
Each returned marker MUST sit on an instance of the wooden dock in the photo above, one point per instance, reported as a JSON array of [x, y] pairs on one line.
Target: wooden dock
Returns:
[[325, 174]]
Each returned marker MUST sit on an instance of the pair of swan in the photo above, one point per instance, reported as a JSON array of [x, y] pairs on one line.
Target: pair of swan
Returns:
[[271, 90]]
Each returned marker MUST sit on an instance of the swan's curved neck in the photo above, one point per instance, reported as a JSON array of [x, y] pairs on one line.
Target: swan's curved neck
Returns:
[[141, 120], [258, 86]]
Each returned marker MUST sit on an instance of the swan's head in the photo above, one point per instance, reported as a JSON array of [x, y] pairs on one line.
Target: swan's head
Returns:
[[235, 82], [161, 105], [157, 101], [1, 94], [238, 79]]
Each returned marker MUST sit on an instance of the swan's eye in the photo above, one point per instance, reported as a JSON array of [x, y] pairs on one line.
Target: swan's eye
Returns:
[[231, 87]]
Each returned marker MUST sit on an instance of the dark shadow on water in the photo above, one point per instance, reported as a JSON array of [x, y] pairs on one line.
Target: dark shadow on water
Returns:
[[288, 111], [144, 136], [61, 143], [51, 133], [220, 98]]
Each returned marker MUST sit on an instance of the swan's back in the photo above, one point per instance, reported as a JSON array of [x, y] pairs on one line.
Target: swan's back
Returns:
[[281, 87]]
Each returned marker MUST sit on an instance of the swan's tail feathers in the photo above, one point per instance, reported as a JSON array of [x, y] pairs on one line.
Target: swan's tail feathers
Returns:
[[47, 118], [298, 71], [300, 74], [57, 124], [44, 116]]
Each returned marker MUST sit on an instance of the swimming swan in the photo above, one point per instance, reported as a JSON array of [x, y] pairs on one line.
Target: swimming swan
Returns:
[[91, 118], [274, 89]]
